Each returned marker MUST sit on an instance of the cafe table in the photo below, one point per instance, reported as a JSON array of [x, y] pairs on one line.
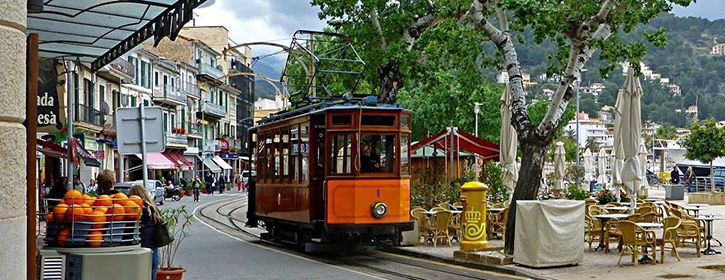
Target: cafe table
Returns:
[[604, 218], [616, 208], [646, 259], [709, 218], [695, 208]]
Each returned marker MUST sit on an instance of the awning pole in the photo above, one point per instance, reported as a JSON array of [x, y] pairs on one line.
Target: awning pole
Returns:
[[143, 142], [31, 129], [69, 119]]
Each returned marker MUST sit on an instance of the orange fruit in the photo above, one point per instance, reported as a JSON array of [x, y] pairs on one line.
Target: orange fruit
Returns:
[[63, 236], [95, 238], [87, 208], [73, 197], [49, 217], [136, 199], [59, 211], [103, 200], [119, 196], [101, 208], [98, 218], [75, 213], [131, 209], [87, 199], [118, 212]]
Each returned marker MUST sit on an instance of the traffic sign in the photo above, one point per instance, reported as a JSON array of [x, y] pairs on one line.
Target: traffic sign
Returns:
[[128, 124]]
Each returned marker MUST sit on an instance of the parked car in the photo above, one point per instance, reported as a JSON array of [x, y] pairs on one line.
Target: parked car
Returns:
[[155, 188], [246, 174], [719, 174]]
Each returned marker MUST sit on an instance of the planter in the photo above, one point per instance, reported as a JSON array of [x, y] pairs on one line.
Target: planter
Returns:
[[175, 274], [189, 192], [717, 198]]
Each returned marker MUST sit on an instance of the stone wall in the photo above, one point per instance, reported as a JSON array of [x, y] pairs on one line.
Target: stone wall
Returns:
[[12, 139]]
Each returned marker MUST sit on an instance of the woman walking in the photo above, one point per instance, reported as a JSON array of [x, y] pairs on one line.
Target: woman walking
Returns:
[[150, 217], [689, 177]]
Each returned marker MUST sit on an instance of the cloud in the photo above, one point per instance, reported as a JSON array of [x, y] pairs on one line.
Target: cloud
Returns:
[[709, 9]]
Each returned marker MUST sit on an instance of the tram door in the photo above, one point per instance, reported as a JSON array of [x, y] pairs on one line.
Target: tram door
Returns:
[[317, 164]]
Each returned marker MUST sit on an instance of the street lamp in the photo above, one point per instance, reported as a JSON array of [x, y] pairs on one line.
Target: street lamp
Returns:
[[476, 110]]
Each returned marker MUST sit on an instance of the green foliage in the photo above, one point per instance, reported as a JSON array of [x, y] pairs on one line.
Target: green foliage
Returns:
[[574, 173], [575, 193], [491, 176], [706, 141], [188, 186], [427, 193], [92, 193], [179, 222]]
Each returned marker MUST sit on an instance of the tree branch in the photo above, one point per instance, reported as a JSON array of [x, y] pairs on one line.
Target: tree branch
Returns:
[[412, 33], [502, 19], [376, 23]]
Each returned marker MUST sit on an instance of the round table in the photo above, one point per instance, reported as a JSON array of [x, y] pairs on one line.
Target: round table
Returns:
[[604, 218], [646, 259], [695, 208], [708, 218], [616, 208]]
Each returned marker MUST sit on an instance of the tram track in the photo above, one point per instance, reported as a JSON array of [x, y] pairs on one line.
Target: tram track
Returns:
[[371, 263]]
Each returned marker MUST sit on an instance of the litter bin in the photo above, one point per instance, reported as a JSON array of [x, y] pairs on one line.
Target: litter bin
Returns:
[[549, 233], [674, 192]]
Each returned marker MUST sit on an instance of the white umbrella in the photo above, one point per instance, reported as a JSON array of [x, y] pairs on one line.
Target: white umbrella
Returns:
[[507, 141], [602, 164], [630, 130], [559, 166], [588, 167], [618, 148], [643, 166]]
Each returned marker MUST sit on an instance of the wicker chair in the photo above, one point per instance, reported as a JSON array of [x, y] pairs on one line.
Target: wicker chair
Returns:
[[690, 229], [454, 225], [635, 237], [597, 210], [458, 204], [424, 228], [670, 225], [446, 205], [500, 223], [650, 217], [592, 230], [613, 204], [440, 227]]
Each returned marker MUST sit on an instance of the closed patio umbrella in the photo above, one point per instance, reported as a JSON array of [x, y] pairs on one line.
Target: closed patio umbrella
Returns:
[[588, 167], [629, 130], [507, 155], [643, 167], [602, 164], [559, 167], [617, 149]]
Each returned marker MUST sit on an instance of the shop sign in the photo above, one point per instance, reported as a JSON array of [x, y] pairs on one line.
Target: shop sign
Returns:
[[223, 144], [229, 156], [50, 91], [100, 154]]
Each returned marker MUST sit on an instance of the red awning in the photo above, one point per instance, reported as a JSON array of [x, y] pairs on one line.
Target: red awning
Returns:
[[179, 159], [52, 150], [461, 141], [158, 161]]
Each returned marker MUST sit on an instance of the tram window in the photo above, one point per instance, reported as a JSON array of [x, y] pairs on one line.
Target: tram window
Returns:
[[376, 120], [404, 164], [404, 121], [341, 154], [377, 153], [304, 151], [285, 153], [341, 120], [294, 134], [276, 155], [262, 157]]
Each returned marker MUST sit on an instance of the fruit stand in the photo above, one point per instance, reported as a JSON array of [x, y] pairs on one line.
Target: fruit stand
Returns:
[[91, 230]]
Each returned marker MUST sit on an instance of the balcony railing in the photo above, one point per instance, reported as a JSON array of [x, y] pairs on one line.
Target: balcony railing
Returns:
[[191, 89], [208, 70], [176, 139], [89, 115], [170, 95], [192, 128], [215, 110], [123, 66]]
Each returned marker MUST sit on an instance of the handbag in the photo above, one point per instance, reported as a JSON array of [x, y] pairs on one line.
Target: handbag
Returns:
[[162, 236]]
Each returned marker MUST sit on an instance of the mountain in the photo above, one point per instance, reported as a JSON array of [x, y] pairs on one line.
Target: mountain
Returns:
[[686, 61], [272, 70]]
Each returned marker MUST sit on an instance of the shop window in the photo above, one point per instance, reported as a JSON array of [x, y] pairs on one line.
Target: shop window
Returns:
[[404, 156], [377, 153], [376, 120], [341, 154]]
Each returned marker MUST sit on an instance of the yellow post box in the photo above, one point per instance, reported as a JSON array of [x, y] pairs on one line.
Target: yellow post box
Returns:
[[473, 196]]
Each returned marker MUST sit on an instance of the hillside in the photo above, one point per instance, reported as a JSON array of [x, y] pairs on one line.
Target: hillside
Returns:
[[272, 70], [685, 61]]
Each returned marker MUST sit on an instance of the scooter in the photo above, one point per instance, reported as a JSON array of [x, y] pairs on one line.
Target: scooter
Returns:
[[173, 193]]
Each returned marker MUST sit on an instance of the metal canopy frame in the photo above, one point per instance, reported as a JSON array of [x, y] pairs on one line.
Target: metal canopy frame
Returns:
[[308, 69], [100, 31]]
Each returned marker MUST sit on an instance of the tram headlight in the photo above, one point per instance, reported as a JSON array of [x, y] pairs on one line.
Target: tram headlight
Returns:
[[379, 209]]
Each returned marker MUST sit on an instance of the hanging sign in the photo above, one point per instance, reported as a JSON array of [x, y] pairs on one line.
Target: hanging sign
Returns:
[[51, 87]]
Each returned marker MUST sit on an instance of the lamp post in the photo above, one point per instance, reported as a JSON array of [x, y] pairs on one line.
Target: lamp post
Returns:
[[476, 110]]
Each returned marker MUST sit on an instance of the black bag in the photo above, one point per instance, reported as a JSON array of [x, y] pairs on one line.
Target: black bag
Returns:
[[162, 236]]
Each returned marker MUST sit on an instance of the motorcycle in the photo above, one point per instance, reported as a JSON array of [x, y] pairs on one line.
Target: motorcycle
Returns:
[[173, 193]]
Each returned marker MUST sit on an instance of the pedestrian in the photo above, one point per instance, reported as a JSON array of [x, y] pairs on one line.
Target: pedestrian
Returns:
[[78, 184], [105, 180], [196, 185], [239, 182], [689, 177], [92, 187], [57, 192], [209, 180], [220, 183], [675, 176], [150, 216]]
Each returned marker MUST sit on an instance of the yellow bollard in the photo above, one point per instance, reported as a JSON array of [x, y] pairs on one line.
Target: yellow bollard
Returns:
[[473, 217]]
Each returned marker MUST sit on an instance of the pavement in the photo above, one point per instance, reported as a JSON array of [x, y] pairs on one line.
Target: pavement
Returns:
[[598, 265]]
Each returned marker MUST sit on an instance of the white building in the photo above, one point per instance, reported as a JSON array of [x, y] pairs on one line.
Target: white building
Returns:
[[718, 49], [588, 128]]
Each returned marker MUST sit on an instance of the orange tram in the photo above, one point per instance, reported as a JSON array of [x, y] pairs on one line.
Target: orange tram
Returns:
[[332, 175]]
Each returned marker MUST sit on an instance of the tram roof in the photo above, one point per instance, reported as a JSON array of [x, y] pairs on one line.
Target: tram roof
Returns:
[[327, 106]]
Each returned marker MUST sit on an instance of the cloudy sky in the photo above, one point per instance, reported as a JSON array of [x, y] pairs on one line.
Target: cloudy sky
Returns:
[[277, 20]]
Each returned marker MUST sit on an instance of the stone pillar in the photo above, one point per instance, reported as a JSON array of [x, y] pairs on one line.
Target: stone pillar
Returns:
[[12, 139]]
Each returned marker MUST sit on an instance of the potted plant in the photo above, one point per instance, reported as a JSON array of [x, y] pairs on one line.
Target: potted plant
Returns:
[[189, 190], [605, 196], [179, 222]]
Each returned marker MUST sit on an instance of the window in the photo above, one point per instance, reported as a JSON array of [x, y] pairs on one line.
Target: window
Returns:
[[377, 120], [341, 120], [285, 151], [166, 82], [304, 151], [133, 101], [275, 154], [404, 121], [262, 155], [116, 100], [183, 118], [341, 154], [294, 155], [145, 102], [377, 153], [88, 90], [102, 92], [173, 83], [173, 120], [143, 73], [166, 120], [404, 160], [156, 78]]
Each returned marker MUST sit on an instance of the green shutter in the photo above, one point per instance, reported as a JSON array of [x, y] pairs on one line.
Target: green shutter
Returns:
[[166, 119], [133, 101], [183, 118], [143, 73]]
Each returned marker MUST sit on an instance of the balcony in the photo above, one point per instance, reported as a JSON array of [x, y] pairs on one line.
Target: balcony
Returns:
[[235, 145], [191, 89], [193, 130], [211, 110], [90, 116], [211, 72], [170, 96], [176, 140], [119, 68]]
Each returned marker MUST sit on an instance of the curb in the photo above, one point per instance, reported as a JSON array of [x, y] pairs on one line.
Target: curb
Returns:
[[486, 267]]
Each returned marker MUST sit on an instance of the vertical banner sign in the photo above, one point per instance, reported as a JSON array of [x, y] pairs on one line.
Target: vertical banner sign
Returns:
[[50, 93]]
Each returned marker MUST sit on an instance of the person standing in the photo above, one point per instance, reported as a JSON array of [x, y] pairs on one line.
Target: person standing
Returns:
[[92, 187], [689, 177], [106, 179], [196, 186], [78, 184], [675, 176], [209, 180], [150, 216], [220, 183]]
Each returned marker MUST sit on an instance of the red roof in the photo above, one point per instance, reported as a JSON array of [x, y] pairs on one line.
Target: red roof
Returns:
[[461, 141]]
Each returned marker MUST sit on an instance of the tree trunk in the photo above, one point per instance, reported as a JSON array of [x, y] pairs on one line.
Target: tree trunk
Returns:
[[533, 155], [390, 82], [712, 178]]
